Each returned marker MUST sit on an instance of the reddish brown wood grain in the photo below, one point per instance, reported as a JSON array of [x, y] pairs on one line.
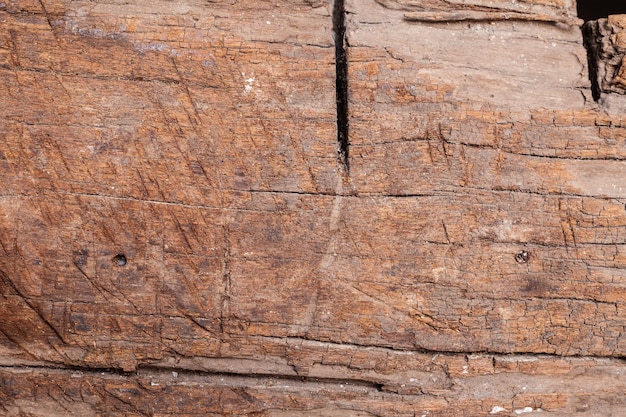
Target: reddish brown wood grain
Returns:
[[179, 237]]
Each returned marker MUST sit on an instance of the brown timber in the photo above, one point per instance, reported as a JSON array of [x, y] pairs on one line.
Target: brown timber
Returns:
[[179, 237]]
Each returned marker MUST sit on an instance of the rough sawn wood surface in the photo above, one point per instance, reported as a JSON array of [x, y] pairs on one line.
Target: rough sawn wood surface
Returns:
[[179, 237]]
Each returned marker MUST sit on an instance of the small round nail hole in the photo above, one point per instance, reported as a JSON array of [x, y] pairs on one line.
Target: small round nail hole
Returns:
[[120, 259], [522, 257]]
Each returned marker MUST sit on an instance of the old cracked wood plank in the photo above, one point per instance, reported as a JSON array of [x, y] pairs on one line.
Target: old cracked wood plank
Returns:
[[179, 235]]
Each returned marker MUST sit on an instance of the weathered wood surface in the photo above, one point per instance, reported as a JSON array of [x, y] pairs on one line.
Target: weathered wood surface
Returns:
[[475, 386], [606, 43], [470, 262]]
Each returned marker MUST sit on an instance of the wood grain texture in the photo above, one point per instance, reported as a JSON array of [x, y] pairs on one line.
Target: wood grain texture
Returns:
[[470, 262], [477, 385]]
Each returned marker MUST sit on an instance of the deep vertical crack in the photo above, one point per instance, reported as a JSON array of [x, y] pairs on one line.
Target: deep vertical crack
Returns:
[[341, 81], [593, 46]]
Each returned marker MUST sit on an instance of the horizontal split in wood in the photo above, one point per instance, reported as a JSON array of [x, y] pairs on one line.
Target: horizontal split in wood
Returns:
[[470, 15]]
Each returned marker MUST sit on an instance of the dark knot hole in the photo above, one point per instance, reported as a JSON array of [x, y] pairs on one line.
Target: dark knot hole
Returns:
[[120, 259]]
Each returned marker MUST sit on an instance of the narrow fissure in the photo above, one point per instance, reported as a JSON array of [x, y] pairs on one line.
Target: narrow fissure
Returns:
[[184, 373], [590, 40], [341, 81]]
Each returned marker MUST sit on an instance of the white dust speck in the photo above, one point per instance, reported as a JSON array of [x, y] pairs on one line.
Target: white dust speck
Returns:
[[248, 87]]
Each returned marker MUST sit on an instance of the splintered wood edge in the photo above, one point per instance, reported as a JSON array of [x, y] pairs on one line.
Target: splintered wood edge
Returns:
[[471, 15]]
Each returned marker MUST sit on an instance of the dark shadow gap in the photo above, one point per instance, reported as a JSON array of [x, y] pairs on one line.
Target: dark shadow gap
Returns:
[[592, 44], [597, 9], [341, 81]]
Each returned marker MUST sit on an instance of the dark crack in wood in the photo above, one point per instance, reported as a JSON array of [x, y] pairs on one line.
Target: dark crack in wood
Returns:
[[341, 81]]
